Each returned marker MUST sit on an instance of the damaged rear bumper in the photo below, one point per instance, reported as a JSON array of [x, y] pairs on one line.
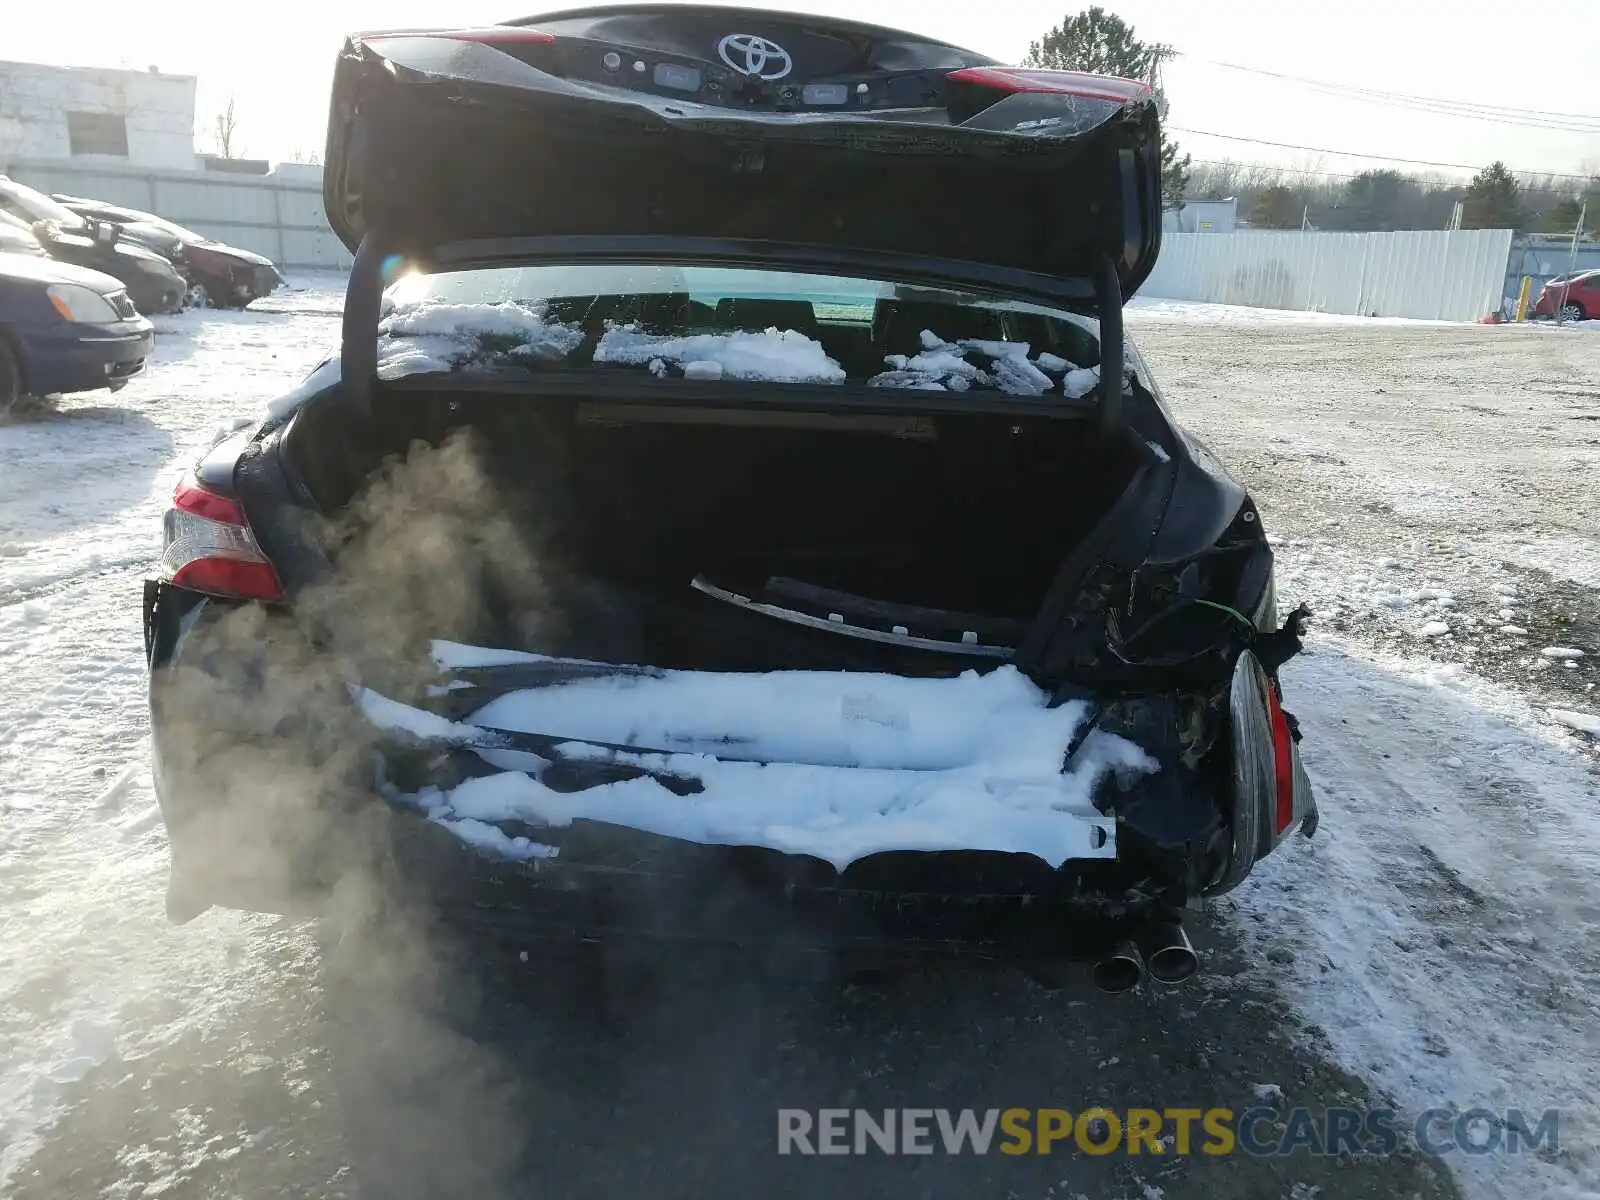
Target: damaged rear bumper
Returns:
[[279, 792], [610, 884]]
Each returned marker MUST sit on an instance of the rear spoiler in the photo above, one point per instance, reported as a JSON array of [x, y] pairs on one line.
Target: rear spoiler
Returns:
[[377, 254]]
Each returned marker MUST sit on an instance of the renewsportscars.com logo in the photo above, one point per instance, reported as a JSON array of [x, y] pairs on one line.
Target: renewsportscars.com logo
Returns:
[[1258, 1132]]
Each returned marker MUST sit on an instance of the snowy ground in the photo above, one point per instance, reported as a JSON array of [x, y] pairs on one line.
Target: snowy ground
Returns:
[[1434, 491], [89, 972], [1437, 940]]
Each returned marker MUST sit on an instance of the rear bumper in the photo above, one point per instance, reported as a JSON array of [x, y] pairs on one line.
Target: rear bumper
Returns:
[[610, 884], [235, 282], [261, 817], [82, 358], [272, 811]]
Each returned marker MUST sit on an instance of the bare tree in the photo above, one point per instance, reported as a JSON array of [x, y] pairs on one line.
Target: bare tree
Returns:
[[226, 130]]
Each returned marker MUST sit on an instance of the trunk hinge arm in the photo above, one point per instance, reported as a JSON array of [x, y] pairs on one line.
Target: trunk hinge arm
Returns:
[[1108, 292], [363, 302]]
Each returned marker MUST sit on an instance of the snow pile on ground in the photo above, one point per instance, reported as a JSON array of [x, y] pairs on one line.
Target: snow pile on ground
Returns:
[[944, 366], [1209, 313], [1581, 721], [432, 335], [839, 765], [772, 355]]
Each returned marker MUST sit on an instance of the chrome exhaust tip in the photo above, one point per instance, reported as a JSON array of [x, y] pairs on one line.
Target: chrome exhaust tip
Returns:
[[1121, 970], [1170, 954]]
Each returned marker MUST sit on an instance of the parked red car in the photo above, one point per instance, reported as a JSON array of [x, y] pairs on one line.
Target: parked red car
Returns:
[[1576, 297]]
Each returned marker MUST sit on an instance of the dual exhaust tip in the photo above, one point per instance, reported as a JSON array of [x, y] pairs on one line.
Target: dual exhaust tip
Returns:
[[1167, 955]]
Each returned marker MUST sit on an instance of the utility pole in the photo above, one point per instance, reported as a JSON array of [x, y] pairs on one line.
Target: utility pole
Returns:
[[1572, 257]]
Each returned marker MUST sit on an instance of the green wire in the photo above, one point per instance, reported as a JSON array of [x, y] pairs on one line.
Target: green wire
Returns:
[[1224, 608]]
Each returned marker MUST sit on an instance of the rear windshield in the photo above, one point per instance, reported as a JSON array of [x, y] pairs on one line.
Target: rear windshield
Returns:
[[750, 325]]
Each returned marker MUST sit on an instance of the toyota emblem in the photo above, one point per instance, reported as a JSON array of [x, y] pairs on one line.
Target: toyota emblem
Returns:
[[755, 56]]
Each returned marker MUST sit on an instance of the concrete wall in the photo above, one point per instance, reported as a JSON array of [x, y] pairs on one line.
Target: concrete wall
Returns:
[[279, 214], [157, 111], [1455, 275]]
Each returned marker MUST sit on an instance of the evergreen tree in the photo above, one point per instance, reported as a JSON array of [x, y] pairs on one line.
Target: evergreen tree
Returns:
[[1493, 200], [1104, 44], [1379, 200], [1277, 207], [1562, 217]]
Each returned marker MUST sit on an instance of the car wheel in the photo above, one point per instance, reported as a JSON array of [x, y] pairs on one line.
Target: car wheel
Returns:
[[197, 296], [10, 377], [1573, 311]]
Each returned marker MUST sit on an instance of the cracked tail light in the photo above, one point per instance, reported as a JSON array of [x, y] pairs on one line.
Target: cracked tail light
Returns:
[[208, 547]]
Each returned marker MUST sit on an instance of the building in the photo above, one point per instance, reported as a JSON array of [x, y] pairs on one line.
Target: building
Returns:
[[92, 114], [1202, 216]]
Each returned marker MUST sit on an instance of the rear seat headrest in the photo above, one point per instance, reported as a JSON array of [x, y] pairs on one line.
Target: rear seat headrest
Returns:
[[897, 325], [757, 314]]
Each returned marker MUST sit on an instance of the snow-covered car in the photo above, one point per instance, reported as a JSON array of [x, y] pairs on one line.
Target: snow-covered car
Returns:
[[16, 237], [152, 282], [62, 328], [218, 275], [736, 512]]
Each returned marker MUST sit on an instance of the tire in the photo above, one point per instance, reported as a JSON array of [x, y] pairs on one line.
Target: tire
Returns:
[[1573, 311], [197, 296], [10, 376]]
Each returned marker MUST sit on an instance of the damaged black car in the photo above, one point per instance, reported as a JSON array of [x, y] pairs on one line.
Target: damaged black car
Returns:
[[736, 513]]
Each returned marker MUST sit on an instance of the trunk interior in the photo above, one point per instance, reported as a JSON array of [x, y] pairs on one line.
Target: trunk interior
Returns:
[[947, 526]]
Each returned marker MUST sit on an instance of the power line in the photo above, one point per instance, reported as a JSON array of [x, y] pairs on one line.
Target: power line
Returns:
[[1348, 87], [1278, 168], [1413, 162], [1470, 109]]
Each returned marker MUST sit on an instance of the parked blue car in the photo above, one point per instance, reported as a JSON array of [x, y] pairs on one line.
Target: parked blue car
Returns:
[[63, 328]]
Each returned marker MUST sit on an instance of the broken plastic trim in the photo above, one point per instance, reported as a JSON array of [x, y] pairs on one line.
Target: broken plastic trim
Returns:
[[835, 623]]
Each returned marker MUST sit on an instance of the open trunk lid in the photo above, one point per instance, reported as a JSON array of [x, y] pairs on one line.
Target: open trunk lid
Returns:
[[692, 122]]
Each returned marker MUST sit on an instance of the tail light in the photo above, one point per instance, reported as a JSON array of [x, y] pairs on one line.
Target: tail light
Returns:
[[1282, 762], [498, 35], [208, 547], [493, 35], [1064, 83]]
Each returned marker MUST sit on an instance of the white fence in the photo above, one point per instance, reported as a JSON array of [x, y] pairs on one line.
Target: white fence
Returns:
[[279, 215], [1452, 276]]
